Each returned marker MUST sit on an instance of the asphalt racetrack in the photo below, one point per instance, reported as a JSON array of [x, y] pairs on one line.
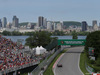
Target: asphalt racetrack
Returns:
[[70, 62]]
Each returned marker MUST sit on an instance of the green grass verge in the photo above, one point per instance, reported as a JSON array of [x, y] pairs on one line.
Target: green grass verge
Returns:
[[24, 74], [82, 63], [49, 69], [50, 56]]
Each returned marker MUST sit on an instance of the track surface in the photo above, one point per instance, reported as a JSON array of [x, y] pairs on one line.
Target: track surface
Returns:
[[70, 62]]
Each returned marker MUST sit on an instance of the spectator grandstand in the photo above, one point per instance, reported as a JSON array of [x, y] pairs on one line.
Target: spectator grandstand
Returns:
[[11, 55]]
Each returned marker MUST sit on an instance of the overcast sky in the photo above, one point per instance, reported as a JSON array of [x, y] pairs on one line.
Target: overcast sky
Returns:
[[57, 10]]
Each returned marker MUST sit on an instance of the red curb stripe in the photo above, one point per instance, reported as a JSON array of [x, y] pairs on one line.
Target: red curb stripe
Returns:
[[56, 61]]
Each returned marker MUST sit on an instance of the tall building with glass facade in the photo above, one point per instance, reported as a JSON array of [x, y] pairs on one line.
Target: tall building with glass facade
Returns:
[[40, 21], [45, 23], [0, 24], [49, 25], [84, 26], [59, 26], [15, 22], [4, 22], [94, 22]]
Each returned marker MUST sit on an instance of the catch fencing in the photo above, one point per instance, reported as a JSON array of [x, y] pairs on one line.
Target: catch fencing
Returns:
[[52, 44], [89, 69], [42, 66]]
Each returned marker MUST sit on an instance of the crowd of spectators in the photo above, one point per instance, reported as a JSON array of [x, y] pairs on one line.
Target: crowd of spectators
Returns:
[[11, 56]]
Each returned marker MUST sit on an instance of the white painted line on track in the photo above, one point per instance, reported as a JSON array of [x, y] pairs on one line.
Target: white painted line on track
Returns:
[[55, 65], [79, 63], [60, 59]]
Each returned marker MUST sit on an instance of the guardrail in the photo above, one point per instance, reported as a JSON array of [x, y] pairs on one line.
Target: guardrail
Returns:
[[42, 66], [89, 69]]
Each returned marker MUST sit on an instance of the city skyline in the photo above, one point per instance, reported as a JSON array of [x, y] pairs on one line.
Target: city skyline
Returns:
[[58, 10]]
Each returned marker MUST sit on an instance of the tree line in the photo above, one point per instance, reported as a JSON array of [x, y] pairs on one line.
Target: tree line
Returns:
[[93, 40], [40, 38], [55, 33]]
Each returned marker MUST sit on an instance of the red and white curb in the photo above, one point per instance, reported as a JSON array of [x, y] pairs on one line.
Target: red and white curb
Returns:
[[55, 64], [96, 74]]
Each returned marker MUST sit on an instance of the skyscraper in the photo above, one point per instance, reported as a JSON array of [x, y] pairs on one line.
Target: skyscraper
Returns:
[[40, 21], [59, 26], [94, 22], [4, 22], [0, 24], [49, 25], [84, 26], [45, 23], [99, 25], [54, 26], [15, 22], [95, 26]]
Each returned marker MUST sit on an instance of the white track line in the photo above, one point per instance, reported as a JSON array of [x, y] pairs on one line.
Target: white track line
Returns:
[[57, 63], [79, 64]]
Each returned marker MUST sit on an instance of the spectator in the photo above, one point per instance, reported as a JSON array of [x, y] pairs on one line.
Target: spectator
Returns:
[[11, 56]]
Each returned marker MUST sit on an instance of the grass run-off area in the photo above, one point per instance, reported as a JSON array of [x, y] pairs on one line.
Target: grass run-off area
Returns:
[[49, 69], [82, 63]]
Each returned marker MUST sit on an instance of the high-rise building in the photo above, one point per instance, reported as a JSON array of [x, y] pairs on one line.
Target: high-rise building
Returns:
[[49, 25], [0, 24], [59, 26], [99, 25], [40, 21], [84, 26], [29, 25], [95, 26], [54, 26], [94, 22], [45, 23], [15, 22], [4, 22], [9, 25]]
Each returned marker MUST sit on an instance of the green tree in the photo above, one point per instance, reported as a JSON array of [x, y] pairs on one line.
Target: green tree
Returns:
[[41, 38], [98, 61], [29, 33], [16, 33], [93, 40], [6, 33], [74, 35], [83, 33], [58, 33]]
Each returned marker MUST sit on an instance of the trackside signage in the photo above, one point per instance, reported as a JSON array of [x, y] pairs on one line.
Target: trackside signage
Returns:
[[71, 41], [96, 74]]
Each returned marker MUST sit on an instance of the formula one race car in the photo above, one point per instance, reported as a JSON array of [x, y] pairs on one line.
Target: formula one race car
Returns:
[[59, 65]]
